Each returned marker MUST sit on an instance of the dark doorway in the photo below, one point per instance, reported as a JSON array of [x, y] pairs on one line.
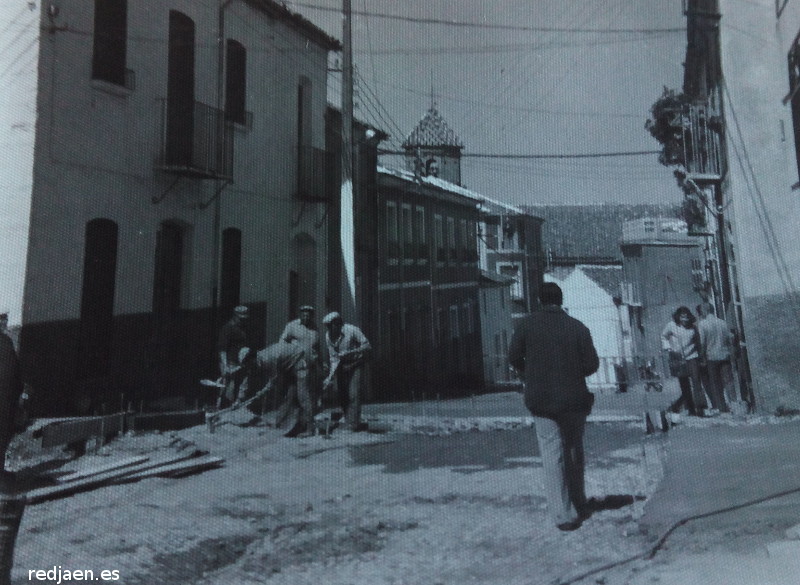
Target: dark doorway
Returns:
[[167, 289], [97, 298], [294, 294], [180, 90], [231, 272]]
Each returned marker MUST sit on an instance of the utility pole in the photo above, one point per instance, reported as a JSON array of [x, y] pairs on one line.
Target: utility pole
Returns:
[[348, 196]]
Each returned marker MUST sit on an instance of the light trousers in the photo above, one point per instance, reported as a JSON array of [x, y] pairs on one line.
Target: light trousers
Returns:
[[561, 448]]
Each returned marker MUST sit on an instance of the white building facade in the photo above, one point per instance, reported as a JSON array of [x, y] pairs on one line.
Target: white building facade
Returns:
[[172, 180]]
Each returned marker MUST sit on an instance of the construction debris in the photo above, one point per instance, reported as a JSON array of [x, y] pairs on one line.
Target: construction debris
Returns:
[[174, 466]]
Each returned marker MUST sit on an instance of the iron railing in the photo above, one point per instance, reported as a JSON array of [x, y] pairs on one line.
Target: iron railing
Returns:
[[196, 141], [702, 139], [315, 173]]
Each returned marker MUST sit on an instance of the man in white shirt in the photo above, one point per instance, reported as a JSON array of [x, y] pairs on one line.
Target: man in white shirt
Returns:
[[348, 351]]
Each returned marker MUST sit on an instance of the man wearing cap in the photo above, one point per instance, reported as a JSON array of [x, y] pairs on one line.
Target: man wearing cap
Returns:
[[301, 397], [348, 350], [10, 387], [232, 338]]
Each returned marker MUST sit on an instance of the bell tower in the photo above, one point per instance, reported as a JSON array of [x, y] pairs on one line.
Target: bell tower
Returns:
[[433, 149]]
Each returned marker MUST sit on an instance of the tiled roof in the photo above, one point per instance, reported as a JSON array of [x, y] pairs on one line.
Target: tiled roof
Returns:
[[591, 231], [432, 130], [407, 175], [607, 277]]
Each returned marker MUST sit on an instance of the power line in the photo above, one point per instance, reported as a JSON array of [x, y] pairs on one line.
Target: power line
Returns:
[[463, 24], [508, 48]]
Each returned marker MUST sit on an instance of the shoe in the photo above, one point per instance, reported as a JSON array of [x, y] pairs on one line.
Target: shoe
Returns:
[[569, 526], [304, 435]]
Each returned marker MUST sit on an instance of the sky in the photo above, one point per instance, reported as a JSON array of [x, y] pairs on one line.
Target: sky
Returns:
[[530, 77]]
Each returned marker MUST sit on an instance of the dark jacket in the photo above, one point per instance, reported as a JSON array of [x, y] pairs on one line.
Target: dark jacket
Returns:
[[10, 388], [555, 353]]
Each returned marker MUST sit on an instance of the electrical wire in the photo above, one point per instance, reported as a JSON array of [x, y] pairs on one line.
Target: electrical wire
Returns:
[[483, 25]]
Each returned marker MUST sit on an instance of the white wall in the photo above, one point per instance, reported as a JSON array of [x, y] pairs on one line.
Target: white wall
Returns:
[[585, 300], [97, 147], [20, 26]]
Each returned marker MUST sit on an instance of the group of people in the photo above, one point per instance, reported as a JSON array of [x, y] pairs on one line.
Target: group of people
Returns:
[[699, 351], [296, 368], [554, 354]]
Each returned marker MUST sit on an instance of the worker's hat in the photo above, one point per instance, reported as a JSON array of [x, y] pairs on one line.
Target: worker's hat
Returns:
[[243, 353], [241, 311], [308, 308], [331, 317]]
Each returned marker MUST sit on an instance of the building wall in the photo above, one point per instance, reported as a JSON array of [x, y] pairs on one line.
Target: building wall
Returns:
[[18, 123], [427, 303], [496, 330], [662, 277], [761, 190], [503, 251], [97, 149]]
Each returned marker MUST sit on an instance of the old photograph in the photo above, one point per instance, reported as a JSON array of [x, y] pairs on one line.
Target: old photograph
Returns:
[[400, 292]]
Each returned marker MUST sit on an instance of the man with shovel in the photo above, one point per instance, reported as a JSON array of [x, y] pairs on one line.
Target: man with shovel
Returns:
[[232, 338]]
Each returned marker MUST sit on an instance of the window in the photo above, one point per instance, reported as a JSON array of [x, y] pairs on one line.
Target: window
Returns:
[[236, 82], [491, 236], [180, 90], [419, 233], [97, 297], [514, 271], [469, 325], [408, 233], [438, 234], [462, 239], [452, 252], [472, 241], [110, 40], [392, 239], [454, 329]]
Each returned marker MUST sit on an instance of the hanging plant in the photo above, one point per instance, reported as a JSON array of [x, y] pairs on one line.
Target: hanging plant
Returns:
[[665, 125]]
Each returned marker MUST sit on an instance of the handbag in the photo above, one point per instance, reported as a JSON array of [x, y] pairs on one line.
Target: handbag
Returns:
[[678, 367]]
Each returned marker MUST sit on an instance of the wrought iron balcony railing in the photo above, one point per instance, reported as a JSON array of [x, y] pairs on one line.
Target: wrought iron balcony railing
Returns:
[[316, 173], [702, 140], [196, 141]]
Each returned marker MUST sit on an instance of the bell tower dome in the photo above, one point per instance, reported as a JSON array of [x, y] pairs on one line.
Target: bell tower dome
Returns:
[[433, 149]]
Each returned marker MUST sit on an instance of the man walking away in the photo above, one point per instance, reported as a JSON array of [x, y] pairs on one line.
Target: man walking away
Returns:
[[554, 352], [348, 351], [232, 338], [716, 342]]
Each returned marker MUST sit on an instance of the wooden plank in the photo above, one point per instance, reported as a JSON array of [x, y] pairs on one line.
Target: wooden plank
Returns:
[[181, 468], [61, 433], [97, 469], [168, 421], [51, 492]]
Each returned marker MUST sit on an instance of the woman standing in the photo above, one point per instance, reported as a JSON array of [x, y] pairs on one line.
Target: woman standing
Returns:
[[681, 339]]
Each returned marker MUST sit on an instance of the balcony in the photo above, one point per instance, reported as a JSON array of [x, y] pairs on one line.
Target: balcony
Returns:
[[196, 142], [316, 174], [702, 141]]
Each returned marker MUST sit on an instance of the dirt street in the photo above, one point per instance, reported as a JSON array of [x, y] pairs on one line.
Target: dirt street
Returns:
[[418, 505]]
